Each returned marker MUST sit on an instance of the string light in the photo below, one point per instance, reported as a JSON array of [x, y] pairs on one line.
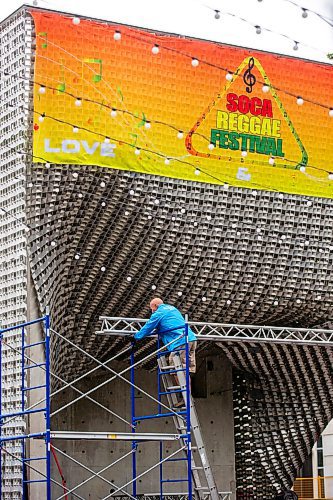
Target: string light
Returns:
[[117, 35], [155, 50], [330, 176], [147, 125], [77, 256], [180, 133], [271, 161], [217, 14], [42, 89], [132, 192], [276, 303], [75, 175], [167, 161], [244, 153], [102, 184], [302, 169], [75, 130], [330, 113], [211, 146], [300, 101], [295, 47], [137, 151], [179, 294], [195, 62], [128, 279], [204, 299], [53, 243], [76, 20], [113, 112], [157, 202], [78, 102], [153, 287], [47, 165], [42, 118], [228, 76], [103, 204], [103, 269], [304, 13], [197, 171], [107, 140], [265, 88], [258, 30]]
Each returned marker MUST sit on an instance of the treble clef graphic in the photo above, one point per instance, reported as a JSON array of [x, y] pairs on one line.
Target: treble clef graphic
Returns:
[[248, 77]]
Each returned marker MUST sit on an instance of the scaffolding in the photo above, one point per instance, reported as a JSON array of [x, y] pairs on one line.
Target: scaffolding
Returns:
[[183, 418]]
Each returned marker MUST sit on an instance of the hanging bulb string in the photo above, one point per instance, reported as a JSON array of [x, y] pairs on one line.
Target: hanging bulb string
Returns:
[[164, 156], [207, 63], [147, 211], [326, 19]]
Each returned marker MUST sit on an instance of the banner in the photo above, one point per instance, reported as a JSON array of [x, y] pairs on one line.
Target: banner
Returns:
[[125, 98]]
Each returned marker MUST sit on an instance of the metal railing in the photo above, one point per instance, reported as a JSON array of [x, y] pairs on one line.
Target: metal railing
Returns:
[[314, 488]]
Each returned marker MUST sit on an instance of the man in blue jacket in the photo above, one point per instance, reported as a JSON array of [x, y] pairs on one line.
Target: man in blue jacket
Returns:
[[163, 318]]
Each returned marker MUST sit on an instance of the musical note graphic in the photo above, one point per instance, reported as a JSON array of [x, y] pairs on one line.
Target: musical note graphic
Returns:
[[62, 86], [43, 35], [248, 77], [97, 77]]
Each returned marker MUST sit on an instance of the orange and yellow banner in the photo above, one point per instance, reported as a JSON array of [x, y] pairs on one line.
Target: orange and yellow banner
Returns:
[[125, 98]]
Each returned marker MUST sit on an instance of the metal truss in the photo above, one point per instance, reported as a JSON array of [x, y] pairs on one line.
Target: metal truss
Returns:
[[225, 332]]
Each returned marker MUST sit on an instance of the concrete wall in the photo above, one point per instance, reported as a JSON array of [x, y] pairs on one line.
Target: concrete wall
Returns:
[[328, 459], [215, 414]]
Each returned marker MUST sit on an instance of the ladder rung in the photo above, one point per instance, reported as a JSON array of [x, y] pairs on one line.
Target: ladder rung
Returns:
[[174, 480], [34, 458], [173, 387], [172, 371], [35, 481], [164, 393], [28, 367], [33, 388], [176, 459], [195, 467], [166, 367], [32, 345]]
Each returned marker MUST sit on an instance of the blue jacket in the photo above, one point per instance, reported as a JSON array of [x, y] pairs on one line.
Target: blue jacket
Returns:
[[164, 318]]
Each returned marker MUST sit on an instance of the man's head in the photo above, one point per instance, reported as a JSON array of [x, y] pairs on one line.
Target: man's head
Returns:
[[155, 303]]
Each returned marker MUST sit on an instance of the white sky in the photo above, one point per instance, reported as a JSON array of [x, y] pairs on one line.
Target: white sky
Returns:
[[196, 18]]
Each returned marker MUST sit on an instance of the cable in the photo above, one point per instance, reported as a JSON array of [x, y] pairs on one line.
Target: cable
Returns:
[[63, 480]]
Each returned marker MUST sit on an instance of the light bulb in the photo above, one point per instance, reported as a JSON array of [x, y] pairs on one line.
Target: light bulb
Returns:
[[41, 118], [300, 101], [258, 30], [153, 287], [103, 204], [167, 161], [226, 186], [129, 278], [113, 112], [77, 256], [204, 299], [309, 203], [75, 130], [155, 50], [182, 211], [180, 134], [157, 202], [179, 294], [295, 47], [47, 165], [197, 171], [103, 184], [330, 176], [298, 301], [80, 195], [330, 113], [265, 88], [137, 151], [271, 161], [217, 14], [302, 169], [107, 140], [276, 303], [319, 297], [102, 269], [195, 62], [228, 302], [254, 193], [76, 20], [78, 102], [117, 35], [251, 304], [132, 192], [228, 76], [42, 89], [211, 146], [53, 243], [147, 125], [281, 196], [244, 153], [304, 13], [75, 175]]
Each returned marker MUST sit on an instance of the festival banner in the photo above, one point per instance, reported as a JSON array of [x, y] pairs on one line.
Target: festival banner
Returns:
[[126, 98]]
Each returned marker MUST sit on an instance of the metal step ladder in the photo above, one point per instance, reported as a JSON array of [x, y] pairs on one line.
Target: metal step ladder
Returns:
[[200, 492]]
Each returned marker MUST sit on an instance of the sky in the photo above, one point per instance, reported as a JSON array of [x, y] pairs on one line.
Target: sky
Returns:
[[235, 26]]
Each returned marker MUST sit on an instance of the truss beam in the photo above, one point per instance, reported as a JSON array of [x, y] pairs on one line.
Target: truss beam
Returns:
[[227, 332], [120, 436]]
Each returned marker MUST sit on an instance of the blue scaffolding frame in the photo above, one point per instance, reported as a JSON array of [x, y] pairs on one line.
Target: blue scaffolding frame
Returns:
[[24, 412], [185, 414]]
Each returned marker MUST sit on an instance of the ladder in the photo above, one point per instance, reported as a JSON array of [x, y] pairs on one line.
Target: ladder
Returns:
[[200, 492]]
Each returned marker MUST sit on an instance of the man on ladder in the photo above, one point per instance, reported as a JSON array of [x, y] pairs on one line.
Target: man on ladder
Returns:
[[165, 319]]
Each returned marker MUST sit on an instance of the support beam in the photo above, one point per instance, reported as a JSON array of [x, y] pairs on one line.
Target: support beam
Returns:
[[225, 332], [120, 436]]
